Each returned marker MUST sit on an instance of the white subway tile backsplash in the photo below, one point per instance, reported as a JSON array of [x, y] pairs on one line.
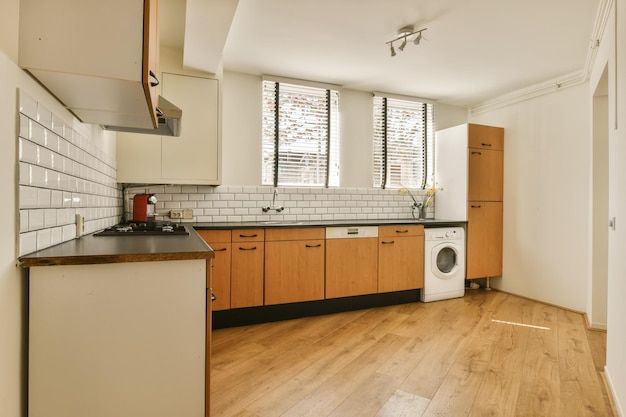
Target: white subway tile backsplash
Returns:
[[28, 243], [44, 238], [35, 220], [50, 218], [244, 203], [27, 105], [56, 235], [60, 170]]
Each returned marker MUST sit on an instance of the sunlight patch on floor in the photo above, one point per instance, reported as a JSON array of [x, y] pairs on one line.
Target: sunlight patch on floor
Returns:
[[520, 324], [404, 404]]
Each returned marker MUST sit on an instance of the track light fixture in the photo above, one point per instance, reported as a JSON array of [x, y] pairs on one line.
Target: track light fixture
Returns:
[[406, 34]]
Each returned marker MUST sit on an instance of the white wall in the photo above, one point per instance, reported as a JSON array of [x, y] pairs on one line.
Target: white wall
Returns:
[[13, 282], [546, 182], [616, 337], [241, 131], [548, 216]]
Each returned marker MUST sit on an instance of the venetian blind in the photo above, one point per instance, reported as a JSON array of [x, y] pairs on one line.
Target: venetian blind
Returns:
[[300, 135], [403, 136]]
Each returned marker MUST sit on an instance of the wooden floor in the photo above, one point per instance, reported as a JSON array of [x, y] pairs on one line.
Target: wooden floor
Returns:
[[487, 354]]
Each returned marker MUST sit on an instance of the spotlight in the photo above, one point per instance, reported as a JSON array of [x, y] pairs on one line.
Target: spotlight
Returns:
[[406, 34]]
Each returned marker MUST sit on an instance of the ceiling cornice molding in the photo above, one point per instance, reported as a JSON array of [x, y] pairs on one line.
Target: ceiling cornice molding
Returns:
[[569, 80]]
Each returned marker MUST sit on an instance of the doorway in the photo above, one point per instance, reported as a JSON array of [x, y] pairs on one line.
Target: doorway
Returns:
[[600, 205]]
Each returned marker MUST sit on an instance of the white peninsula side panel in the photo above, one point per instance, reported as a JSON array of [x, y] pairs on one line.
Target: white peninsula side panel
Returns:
[[121, 339]]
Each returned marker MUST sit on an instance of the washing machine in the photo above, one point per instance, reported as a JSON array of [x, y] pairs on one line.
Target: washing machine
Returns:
[[444, 264]]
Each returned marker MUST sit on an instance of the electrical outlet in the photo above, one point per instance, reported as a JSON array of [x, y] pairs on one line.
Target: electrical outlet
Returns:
[[187, 214], [80, 225], [176, 214]]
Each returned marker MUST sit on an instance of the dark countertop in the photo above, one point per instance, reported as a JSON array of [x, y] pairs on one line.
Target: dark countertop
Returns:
[[327, 223], [90, 249]]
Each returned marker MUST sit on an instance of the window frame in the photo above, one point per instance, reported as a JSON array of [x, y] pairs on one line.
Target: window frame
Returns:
[[274, 136], [386, 130]]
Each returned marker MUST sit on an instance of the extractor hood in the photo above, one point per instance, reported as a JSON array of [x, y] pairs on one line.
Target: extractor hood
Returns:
[[169, 117]]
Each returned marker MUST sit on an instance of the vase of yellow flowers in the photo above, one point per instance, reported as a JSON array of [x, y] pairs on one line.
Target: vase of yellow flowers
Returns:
[[426, 201]]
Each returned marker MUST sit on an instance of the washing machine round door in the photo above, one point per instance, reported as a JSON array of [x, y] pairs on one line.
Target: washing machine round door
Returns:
[[445, 260]]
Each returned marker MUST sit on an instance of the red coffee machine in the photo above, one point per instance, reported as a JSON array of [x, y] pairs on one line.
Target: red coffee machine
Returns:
[[144, 207]]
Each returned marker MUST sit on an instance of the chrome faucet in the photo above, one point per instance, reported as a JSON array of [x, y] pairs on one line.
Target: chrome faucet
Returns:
[[273, 206]]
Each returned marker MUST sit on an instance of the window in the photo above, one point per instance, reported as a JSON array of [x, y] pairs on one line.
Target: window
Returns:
[[403, 143], [300, 135]]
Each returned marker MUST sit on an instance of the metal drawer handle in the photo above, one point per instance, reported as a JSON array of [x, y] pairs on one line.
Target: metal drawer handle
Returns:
[[314, 246], [475, 206], [402, 231], [388, 243], [254, 235], [252, 248], [476, 153], [486, 144], [219, 250], [156, 80]]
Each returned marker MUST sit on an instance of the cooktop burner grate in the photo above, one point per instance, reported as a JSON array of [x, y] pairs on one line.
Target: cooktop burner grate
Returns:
[[144, 229]]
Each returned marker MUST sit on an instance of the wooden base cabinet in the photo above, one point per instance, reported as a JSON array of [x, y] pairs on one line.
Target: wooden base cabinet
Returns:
[[294, 265], [400, 258], [484, 239], [220, 242], [246, 280], [351, 267]]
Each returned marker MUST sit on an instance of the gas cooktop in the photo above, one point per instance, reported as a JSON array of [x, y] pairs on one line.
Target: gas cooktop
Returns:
[[144, 229]]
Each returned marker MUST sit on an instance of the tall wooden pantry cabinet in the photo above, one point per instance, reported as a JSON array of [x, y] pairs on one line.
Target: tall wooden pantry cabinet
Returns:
[[470, 165]]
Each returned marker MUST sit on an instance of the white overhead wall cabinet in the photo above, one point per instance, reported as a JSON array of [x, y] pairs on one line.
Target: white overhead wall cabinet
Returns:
[[191, 158], [100, 59]]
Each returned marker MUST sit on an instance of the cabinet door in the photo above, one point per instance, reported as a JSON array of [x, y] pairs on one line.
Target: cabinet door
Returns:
[[219, 241], [246, 275], [294, 271], [400, 263], [351, 267], [221, 275], [151, 43], [485, 137], [207, 352], [484, 239], [485, 182], [194, 156]]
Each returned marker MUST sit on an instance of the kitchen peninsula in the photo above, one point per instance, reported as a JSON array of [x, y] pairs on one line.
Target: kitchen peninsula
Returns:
[[119, 324]]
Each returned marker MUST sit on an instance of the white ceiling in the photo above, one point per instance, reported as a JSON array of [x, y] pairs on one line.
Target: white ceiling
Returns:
[[476, 49]]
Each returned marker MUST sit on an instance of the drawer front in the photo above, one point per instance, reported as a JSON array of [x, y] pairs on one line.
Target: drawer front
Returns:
[[214, 236], [401, 230], [248, 235], [304, 233]]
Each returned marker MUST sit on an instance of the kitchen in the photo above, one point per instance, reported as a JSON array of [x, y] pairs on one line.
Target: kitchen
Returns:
[[548, 197]]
